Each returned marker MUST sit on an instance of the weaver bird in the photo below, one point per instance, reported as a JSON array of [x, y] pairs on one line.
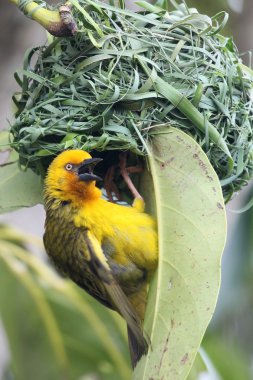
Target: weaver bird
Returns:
[[109, 250]]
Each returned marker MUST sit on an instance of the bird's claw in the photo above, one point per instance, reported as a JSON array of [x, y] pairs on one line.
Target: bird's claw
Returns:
[[124, 171], [110, 185]]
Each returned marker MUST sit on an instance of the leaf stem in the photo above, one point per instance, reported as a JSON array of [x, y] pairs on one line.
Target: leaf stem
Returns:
[[54, 21]]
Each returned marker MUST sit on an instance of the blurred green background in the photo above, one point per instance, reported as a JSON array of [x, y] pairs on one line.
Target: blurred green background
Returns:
[[40, 310]]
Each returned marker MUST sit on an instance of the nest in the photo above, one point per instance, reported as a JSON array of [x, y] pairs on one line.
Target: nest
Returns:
[[124, 76]]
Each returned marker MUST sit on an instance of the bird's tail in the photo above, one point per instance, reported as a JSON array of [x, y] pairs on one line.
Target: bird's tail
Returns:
[[132, 309], [138, 344], [137, 347]]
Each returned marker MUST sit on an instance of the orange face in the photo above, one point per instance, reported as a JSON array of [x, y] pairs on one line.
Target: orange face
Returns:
[[71, 175]]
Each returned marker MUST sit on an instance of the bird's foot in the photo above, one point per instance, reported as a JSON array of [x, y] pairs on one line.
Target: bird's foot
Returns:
[[110, 185], [124, 171]]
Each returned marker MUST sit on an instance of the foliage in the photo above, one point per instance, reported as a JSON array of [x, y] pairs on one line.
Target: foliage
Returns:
[[121, 83], [125, 73], [28, 184], [229, 339], [228, 358], [55, 331], [192, 229], [75, 329]]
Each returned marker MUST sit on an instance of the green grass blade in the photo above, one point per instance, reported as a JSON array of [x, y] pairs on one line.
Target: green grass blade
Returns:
[[187, 108]]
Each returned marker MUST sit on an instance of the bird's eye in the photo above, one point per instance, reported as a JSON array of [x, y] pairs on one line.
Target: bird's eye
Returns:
[[69, 167]]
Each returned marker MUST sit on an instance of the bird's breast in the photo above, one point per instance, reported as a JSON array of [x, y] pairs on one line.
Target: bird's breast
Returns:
[[65, 247]]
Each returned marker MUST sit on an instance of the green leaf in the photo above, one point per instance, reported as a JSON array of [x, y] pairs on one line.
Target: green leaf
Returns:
[[18, 188], [197, 119], [192, 232], [198, 368], [187, 108], [150, 7], [60, 332], [34, 315], [4, 140], [88, 18]]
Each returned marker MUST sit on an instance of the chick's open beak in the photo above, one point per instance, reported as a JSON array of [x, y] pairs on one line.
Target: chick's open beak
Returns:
[[85, 170]]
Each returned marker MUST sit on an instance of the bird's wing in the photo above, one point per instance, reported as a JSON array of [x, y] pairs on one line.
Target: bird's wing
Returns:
[[99, 266]]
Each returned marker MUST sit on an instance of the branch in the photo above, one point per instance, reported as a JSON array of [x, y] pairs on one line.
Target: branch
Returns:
[[59, 23]]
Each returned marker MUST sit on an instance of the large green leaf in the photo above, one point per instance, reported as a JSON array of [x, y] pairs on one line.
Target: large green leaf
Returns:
[[18, 188], [4, 139], [55, 331], [192, 232], [199, 368]]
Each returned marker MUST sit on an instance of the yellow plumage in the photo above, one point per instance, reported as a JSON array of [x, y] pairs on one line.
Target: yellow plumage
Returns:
[[108, 249]]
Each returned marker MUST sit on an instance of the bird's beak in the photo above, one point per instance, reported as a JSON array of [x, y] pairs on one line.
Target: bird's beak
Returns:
[[85, 170]]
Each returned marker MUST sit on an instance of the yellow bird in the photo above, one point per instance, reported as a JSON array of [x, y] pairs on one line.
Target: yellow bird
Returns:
[[109, 250]]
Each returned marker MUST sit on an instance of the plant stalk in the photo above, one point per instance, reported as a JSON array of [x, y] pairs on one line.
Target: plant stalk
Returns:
[[59, 23]]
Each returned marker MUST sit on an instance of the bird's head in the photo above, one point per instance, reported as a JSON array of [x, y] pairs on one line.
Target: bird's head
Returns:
[[70, 177]]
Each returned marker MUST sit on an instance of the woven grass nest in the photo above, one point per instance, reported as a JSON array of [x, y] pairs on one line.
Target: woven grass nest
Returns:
[[123, 76]]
